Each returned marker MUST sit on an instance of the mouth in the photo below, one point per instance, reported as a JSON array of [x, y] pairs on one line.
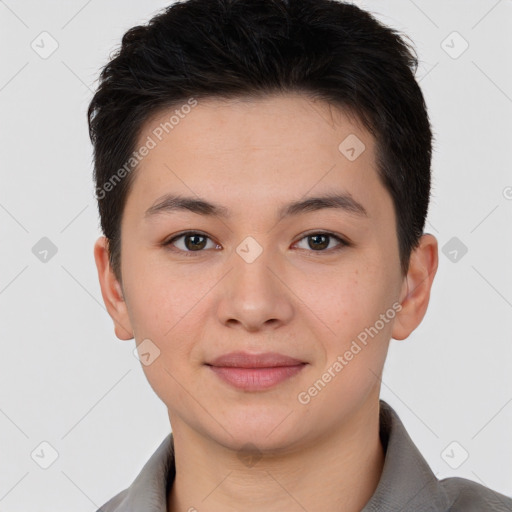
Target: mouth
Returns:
[[255, 372]]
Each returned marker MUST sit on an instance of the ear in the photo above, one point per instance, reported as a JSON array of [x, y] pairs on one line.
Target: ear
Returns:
[[416, 287], [112, 291]]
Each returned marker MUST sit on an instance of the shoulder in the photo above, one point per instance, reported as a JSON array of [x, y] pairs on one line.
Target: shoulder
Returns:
[[468, 496], [148, 492], [113, 503]]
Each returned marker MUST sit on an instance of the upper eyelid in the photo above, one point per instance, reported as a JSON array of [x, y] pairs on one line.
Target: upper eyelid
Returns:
[[181, 235], [341, 239]]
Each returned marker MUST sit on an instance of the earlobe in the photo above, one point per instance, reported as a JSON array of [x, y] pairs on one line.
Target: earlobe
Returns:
[[111, 291], [415, 293]]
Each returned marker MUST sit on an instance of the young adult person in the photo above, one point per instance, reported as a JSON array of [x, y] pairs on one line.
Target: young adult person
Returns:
[[263, 178]]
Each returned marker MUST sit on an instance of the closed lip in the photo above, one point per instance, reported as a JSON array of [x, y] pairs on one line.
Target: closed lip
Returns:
[[247, 360]]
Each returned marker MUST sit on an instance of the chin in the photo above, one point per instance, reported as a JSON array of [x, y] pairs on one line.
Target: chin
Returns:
[[271, 430]]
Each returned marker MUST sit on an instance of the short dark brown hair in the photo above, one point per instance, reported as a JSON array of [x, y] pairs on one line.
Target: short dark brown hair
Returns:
[[328, 49]]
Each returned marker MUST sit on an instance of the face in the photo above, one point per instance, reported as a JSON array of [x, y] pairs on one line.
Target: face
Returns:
[[319, 282]]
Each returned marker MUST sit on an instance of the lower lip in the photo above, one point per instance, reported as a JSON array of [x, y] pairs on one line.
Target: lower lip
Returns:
[[255, 379]]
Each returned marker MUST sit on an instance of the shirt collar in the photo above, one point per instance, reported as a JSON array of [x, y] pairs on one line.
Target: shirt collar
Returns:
[[406, 482]]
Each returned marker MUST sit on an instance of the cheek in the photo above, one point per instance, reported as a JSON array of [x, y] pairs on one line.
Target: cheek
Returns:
[[165, 311], [162, 298], [168, 306], [348, 307], [338, 299]]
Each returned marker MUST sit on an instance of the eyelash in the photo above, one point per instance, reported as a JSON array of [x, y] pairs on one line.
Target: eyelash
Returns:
[[342, 242]]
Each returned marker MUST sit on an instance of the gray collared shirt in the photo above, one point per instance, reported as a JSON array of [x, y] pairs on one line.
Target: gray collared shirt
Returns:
[[407, 483]]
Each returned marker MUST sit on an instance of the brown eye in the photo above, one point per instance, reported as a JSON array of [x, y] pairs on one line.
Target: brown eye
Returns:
[[319, 242], [195, 242], [190, 242]]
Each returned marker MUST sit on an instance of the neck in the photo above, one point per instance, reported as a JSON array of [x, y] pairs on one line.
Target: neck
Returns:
[[338, 472]]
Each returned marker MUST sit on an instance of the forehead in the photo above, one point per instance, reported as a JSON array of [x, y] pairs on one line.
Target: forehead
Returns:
[[276, 125], [256, 153]]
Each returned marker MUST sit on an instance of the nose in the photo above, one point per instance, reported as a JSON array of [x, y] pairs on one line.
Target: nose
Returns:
[[254, 295]]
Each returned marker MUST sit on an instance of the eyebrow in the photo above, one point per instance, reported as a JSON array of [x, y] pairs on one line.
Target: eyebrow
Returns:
[[170, 203]]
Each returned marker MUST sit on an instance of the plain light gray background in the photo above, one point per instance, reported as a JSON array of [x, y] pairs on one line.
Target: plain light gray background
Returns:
[[66, 380]]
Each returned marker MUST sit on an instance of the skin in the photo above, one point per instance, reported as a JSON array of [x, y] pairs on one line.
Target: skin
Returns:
[[253, 156]]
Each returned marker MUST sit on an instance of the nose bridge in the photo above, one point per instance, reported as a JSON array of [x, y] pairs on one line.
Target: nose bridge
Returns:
[[253, 294], [252, 277]]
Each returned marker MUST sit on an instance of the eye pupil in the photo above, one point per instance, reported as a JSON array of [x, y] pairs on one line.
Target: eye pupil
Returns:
[[195, 244], [323, 244]]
